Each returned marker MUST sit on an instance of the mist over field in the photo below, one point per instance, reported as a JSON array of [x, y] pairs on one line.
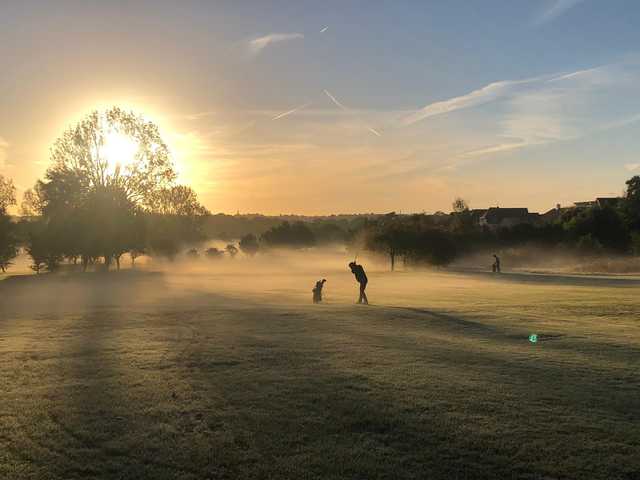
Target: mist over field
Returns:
[[225, 369]]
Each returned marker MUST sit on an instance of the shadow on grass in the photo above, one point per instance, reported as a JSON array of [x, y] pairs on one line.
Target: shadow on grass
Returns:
[[210, 388]]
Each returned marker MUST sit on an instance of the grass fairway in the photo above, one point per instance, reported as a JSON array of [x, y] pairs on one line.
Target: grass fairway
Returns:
[[199, 375]]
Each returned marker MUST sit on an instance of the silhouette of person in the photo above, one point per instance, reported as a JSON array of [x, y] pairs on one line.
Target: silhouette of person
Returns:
[[496, 264], [317, 291], [362, 279]]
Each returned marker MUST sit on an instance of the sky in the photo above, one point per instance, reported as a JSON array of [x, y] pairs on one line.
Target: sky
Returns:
[[311, 107]]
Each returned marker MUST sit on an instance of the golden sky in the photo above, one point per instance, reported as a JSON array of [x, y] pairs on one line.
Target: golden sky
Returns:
[[292, 108]]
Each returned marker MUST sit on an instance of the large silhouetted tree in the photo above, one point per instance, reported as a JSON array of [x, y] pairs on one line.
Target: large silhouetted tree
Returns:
[[81, 150], [107, 205]]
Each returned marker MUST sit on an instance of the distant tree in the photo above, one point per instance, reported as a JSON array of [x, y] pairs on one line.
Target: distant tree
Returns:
[[193, 254], [460, 205], [462, 220], [44, 248], [214, 254], [7, 193], [164, 235], [414, 238], [232, 250], [604, 225], [32, 202], [630, 206], [178, 200], [635, 243], [38, 256], [134, 254], [588, 244], [435, 247], [389, 239], [249, 245], [8, 242], [292, 235], [329, 232], [8, 233]]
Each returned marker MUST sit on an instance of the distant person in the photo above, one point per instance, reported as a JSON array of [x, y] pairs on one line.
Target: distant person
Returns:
[[362, 279], [496, 264], [317, 291]]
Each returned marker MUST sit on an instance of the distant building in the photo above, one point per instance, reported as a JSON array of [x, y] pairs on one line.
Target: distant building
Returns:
[[496, 217], [598, 202], [554, 214], [603, 202], [581, 205]]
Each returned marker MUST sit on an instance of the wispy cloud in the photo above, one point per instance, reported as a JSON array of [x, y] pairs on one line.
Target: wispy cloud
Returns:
[[554, 10], [486, 94], [601, 76], [632, 167], [258, 44], [566, 106]]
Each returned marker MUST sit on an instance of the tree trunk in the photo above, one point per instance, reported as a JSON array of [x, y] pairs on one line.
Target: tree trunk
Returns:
[[118, 262], [392, 255]]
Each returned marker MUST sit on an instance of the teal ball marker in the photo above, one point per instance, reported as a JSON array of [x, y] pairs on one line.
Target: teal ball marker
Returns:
[[533, 338]]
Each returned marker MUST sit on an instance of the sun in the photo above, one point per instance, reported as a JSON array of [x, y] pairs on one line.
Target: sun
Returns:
[[119, 151]]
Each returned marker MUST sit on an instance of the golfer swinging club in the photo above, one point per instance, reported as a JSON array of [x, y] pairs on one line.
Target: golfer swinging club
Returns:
[[361, 278]]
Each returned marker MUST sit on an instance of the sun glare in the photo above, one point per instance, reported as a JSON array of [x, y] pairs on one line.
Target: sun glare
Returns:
[[119, 151]]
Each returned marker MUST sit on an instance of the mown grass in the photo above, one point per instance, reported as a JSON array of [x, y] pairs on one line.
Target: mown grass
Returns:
[[237, 376]]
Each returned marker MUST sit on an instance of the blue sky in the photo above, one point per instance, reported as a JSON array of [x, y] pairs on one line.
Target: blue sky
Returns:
[[346, 106]]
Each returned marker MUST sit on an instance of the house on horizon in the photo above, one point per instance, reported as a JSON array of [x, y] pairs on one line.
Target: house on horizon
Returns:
[[496, 217], [556, 213], [600, 202]]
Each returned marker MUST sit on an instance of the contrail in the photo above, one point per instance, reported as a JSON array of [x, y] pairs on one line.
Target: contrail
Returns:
[[324, 29], [284, 114], [340, 105], [335, 100]]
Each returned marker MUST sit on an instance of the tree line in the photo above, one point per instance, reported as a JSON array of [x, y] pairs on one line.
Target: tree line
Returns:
[[440, 239], [437, 240], [79, 223]]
